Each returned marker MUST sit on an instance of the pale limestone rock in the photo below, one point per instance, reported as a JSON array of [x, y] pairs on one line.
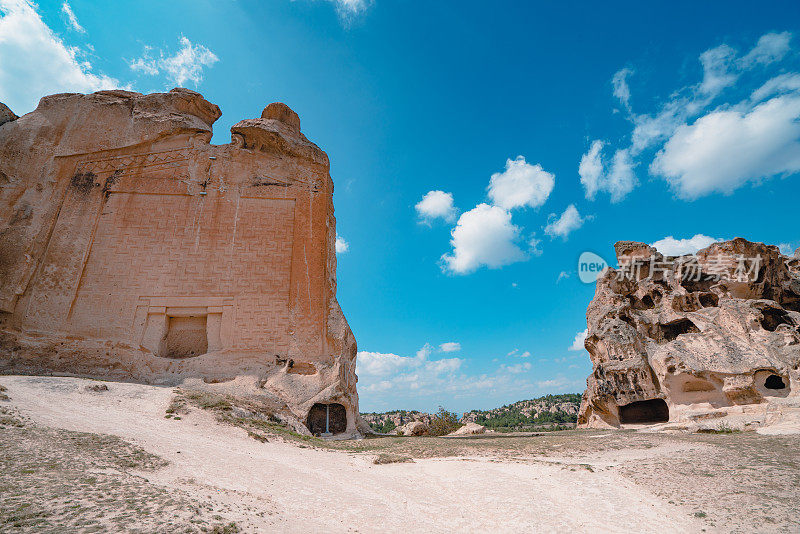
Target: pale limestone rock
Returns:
[[469, 429], [666, 345], [132, 249], [414, 428]]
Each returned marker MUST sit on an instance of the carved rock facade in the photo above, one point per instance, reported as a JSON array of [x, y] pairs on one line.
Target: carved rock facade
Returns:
[[133, 249], [674, 339]]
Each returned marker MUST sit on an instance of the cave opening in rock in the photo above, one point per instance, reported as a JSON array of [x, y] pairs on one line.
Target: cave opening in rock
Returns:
[[709, 300], [670, 331], [771, 318], [647, 411], [774, 382], [327, 419], [186, 337]]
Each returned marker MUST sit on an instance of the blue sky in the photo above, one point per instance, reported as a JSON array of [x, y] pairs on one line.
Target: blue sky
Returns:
[[478, 148]]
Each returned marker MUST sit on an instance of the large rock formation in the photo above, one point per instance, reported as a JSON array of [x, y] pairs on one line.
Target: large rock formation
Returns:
[[679, 339], [133, 249]]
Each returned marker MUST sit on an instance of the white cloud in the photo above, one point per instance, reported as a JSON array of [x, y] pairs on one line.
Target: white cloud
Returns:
[[669, 246], [534, 246], [483, 236], [590, 169], [525, 354], [621, 90], [186, 64], [563, 275], [516, 368], [621, 179], [770, 47], [342, 246], [722, 68], [71, 18], [577, 343], [521, 184], [37, 62], [788, 249], [618, 182], [562, 226], [436, 204], [450, 346], [716, 69], [379, 371], [347, 8], [783, 83], [725, 149]]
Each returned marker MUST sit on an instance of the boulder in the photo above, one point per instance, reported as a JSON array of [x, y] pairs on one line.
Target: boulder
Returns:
[[469, 429], [672, 336], [414, 428]]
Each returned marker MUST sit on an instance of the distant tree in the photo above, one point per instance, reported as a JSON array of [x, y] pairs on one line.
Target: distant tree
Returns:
[[443, 423]]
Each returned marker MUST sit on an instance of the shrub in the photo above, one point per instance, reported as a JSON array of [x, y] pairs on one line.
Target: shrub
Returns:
[[443, 423]]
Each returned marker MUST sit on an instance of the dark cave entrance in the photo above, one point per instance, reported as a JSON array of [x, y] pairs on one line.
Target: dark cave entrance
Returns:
[[327, 418], [648, 411], [774, 382]]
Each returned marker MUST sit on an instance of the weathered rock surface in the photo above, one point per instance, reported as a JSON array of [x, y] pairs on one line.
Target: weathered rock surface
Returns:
[[414, 428], [469, 429], [677, 339], [132, 249], [6, 115]]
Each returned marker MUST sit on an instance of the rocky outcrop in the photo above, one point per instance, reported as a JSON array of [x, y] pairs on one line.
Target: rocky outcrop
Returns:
[[468, 430], [414, 428], [673, 338], [6, 115], [131, 248]]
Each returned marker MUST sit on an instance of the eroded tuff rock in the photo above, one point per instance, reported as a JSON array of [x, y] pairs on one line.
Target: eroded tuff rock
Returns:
[[132, 249], [674, 338]]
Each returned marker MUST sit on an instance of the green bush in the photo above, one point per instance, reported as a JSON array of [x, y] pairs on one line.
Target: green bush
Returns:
[[443, 423]]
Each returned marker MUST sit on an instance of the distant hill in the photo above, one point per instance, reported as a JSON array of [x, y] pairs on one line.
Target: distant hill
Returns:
[[547, 411], [550, 411], [385, 422]]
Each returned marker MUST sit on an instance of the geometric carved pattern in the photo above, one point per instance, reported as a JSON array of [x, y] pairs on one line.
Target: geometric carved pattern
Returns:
[[164, 159], [185, 246]]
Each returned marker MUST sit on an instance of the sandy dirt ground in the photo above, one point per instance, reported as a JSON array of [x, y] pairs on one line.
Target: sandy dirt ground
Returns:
[[205, 475]]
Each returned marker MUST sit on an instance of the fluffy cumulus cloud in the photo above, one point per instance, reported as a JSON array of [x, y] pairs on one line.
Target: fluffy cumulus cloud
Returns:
[[703, 146], [436, 205], [185, 65], [577, 343], [669, 246], [342, 246], [37, 62], [562, 226], [520, 184], [617, 182], [450, 346], [483, 236], [724, 150], [72, 20]]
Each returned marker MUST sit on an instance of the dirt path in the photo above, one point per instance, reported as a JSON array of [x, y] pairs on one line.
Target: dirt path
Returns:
[[282, 486]]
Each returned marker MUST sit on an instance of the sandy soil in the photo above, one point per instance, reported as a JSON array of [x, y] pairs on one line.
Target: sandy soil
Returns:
[[216, 474]]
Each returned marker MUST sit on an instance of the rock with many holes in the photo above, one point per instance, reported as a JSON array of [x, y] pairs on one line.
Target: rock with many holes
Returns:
[[676, 336]]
